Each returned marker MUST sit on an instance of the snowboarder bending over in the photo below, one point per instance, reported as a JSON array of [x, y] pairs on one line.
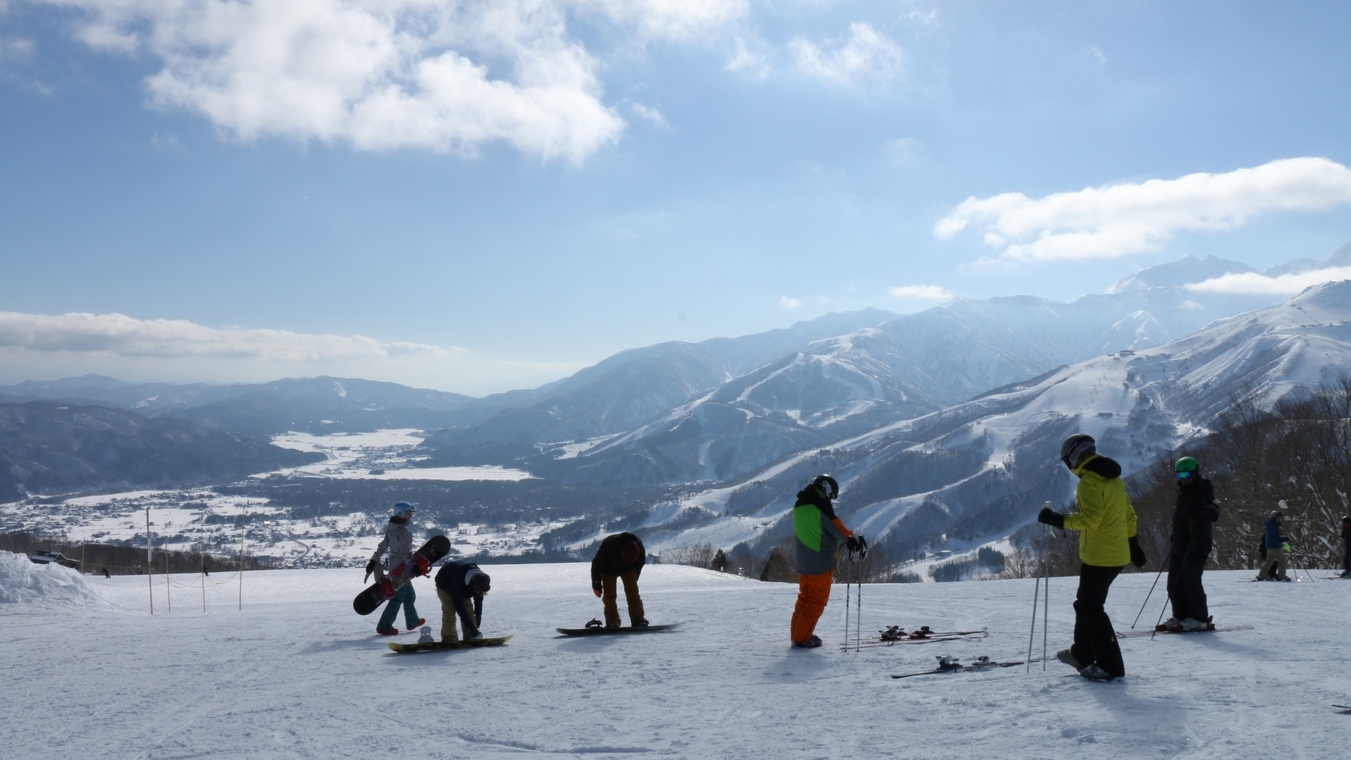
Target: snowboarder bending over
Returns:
[[819, 533], [398, 541], [1107, 542], [460, 585], [1190, 547], [1277, 545], [619, 559]]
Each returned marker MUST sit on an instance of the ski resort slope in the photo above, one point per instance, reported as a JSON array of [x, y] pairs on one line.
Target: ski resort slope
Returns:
[[296, 674]]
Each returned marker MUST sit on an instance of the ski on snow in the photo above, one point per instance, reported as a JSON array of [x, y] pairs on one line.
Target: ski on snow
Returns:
[[896, 635], [1213, 629], [953, 665]]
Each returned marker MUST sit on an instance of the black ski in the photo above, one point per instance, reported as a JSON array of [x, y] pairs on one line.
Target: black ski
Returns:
[[1213, 629], [1343, 708], [952, 665]]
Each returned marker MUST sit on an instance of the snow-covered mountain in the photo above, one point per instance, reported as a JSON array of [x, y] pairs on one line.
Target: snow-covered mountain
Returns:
[[980, 469]]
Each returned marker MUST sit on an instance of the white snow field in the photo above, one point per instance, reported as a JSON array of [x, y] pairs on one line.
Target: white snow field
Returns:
[[89, 673]]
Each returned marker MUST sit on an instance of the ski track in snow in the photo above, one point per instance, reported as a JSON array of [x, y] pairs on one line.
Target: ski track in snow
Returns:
[[297, 674]]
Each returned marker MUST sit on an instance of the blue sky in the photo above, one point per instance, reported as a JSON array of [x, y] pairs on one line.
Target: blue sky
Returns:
[[482, 196]]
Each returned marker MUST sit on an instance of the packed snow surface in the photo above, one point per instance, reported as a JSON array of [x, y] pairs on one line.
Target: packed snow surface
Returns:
[[89, 672]]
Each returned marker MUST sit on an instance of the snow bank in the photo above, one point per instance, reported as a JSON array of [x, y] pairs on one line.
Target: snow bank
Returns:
[[24, 582]]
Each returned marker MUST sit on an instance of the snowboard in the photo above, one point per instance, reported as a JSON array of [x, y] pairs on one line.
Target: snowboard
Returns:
[[603, 631], [369, 601], [441, 646]]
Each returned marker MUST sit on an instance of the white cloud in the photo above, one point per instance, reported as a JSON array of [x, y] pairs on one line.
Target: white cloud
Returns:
[[423, 74], [1119, 220], [789, 303], [16, 48], [922, 292], [1281, 285], [750, 59], [649, 114], [676, 19], [865, 56], [903, 151], [36, 346]]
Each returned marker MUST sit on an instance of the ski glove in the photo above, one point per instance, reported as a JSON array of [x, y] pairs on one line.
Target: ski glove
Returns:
[[1137, 554], [595, 591], [1054, 519], [370, 568], [856, 544]]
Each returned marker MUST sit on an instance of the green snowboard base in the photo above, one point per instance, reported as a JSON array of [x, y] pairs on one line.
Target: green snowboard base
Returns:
[[437, 646]]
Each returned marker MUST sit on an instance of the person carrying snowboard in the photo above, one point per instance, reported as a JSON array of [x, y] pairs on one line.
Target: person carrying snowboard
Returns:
[[819, 533], [398, 541], [458, 585], [1276, 544], [1107, 543], [1190, 546], [619, 559]]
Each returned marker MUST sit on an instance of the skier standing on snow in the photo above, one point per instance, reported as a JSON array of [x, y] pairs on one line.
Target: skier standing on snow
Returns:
[[399, 541], [819, 533], [458, 585], [1107, 542], [619, 559], [1276, 544], [1190, 546], [1346, 546]]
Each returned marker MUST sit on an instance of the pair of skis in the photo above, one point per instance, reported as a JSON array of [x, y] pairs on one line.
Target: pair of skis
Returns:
[[894, 634], [954, 665]]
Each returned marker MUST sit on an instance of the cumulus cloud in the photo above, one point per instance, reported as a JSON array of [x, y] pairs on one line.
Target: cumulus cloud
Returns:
[[922, 292], [1280, 285], [443, 75], [126, 336], [1114, 221], [789, 303], [864, 56], [36, 346]]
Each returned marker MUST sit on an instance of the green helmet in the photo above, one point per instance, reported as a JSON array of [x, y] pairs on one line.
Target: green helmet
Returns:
[[1187, 464]]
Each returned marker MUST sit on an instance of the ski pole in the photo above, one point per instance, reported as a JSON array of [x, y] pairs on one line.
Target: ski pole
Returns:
[[848, 590], [858, 611], [1151, 591], [1032, 632], [1046, 599]]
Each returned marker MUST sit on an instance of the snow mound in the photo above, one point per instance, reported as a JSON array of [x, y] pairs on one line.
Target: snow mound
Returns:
[[25, 582]]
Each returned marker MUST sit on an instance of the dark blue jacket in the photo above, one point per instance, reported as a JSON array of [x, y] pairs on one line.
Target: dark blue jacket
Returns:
[[452, 577], [1274, 538]]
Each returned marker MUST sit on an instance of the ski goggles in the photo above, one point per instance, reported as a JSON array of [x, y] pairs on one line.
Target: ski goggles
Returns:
[[1184, 474]]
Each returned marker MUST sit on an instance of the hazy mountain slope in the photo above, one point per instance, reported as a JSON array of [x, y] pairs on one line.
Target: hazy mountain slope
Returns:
[[50, 447]]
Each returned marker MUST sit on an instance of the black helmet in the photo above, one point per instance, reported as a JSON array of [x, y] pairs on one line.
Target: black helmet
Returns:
[[828, 486], [1076, 449]]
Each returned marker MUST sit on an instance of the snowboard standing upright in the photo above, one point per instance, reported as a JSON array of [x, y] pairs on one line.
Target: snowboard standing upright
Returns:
[[369, 601]]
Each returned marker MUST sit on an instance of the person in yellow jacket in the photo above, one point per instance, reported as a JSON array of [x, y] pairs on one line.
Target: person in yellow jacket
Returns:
[[1107, 543]]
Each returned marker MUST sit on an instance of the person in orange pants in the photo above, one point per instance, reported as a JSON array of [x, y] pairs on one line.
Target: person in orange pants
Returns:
[[819, 533]]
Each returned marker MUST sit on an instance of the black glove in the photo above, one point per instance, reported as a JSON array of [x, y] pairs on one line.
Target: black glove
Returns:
[[1051, 518], [852, 544], [1137, 554], [370, 568]]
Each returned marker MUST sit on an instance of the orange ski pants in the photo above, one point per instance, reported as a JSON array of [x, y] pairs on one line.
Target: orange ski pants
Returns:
[[813, 592]]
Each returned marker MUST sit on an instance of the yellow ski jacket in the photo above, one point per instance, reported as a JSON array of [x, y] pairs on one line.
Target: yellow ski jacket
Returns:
[[1106, 519]]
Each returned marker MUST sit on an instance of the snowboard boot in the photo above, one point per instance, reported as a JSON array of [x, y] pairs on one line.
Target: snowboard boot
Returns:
[[640, 623], [1095, 673], [414, 626], [1067, 658], [387, 631]]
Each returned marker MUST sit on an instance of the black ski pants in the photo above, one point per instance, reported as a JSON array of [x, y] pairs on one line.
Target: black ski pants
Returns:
[[1094, 637], [1184, 583]]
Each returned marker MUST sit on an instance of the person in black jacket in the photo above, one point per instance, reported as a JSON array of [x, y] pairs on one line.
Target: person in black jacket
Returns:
[[620, 558], [1190, 546], [457, 585], [1346, 546]]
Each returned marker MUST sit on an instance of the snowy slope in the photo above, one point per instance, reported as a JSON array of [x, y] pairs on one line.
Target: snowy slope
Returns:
[[297, 674]]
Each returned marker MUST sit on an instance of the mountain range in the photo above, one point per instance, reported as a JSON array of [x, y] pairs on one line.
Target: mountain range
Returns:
[[940, 425]]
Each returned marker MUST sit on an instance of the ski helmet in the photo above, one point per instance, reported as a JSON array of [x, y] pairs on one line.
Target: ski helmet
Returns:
[[402, 507], [1076, 449], [1187, 467], [828, 486]]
